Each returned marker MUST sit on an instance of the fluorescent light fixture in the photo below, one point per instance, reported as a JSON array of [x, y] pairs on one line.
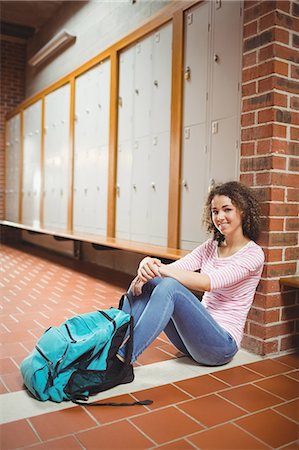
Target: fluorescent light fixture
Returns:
[[58, 42]]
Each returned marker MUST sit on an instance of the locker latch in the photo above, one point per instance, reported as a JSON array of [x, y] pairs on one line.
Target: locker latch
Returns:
[[120, 101], [187, 74], [156, 83]]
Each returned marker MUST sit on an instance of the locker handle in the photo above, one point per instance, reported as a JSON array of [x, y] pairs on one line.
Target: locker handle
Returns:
[[187, 74], [118, 190], [153, 186], [134, 187], [212, 184], [137, 91], [120, 101], [185, 184], [156, 83], [216, 57]]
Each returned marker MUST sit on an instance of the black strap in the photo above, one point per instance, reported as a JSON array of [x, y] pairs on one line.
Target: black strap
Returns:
[[141, 402]]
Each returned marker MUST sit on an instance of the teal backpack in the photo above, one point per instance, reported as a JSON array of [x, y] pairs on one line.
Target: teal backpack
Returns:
[[78, 358]]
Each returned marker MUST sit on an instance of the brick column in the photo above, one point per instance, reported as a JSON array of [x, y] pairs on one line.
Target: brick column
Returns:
[[12, 93], [269, 162]]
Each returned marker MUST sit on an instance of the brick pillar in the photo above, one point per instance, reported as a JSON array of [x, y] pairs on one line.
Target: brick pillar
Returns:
[[269, 162], [12, 93]]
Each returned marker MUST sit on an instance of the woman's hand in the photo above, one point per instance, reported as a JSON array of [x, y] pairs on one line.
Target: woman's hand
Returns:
[[136, 286], [148, 269]]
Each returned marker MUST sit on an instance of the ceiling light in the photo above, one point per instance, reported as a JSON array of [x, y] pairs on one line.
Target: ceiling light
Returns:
[[60, 41]]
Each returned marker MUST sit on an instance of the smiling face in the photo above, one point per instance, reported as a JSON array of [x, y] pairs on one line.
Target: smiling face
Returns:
[[226, 217]]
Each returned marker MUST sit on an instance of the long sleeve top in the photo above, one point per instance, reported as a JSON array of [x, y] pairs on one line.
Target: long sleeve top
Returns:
[[233, 281]]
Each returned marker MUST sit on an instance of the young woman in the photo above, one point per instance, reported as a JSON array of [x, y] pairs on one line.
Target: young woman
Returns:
[[230, 265]]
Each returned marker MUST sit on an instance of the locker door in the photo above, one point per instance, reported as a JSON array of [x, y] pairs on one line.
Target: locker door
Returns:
[[195, 114], [31, 170], [126, 94], [101, 190], [56, 150], [161, 81], [195, 65], [224, 155], [13, 169], [224, 126], [124, 189], [143, 85], [194, 191], [226, 59], [104, 102], [159, 181], [140, 190]]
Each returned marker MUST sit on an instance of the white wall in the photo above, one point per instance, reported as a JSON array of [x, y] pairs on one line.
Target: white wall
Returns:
[[97, 25]]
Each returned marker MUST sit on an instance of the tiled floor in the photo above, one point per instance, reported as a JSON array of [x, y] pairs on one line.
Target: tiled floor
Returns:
[[248, 404]]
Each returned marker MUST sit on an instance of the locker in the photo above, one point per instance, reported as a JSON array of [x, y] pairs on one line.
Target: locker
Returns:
[[225, 150], [196, 65], [126, 94], [140, 190], [226, 60], [101, 189], [123, 189], [144, 141], [211, 109], [161, 79], [12, 189], [92, 103], [193, 188], [31, 164], [158, 181], [56, 151], [142, 88]]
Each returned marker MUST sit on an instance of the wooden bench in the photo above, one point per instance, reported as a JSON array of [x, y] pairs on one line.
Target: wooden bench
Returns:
[[102, 241], [290, 281]]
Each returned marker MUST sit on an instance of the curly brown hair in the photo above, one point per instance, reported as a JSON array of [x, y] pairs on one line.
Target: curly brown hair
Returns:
[[244, 200]]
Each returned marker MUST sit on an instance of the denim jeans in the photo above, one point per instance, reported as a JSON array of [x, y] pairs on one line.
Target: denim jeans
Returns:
[[166, 305]]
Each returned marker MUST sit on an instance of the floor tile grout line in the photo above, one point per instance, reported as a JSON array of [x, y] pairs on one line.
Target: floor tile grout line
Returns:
[[251, 434], [142, 432], [270, 392], [284, 415], [34, 430], [189, 416]]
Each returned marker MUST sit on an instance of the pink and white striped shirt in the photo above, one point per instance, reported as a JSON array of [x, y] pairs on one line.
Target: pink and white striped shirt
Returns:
[[233, 279]]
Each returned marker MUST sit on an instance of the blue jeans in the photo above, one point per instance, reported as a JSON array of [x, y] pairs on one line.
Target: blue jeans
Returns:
[[166, 305]]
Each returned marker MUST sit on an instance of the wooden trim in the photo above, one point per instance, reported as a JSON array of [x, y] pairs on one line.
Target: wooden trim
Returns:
[[176, 130], [71, 157], [21, 166], [42, 165], [113, 132]]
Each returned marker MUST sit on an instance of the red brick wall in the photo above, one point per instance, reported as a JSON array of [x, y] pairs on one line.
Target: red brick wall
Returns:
[[12, 93], [270, 163]]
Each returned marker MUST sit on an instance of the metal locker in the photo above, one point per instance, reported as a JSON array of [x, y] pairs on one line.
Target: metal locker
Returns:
[[140, 190], [103, 105], [195, 65], [12, 189], [158, 184], [31, 164], [142, 88], [92, 103], [225, 150], [161, 79], [193, 189], [56, 151], [123, 189], [100, 188], [126, 94], [226, 59]]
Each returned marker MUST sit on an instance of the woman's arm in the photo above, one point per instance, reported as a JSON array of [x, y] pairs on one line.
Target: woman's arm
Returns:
[[191, 280]]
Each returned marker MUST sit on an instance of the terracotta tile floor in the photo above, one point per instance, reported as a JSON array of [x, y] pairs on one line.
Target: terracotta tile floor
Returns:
[[252, 406]]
